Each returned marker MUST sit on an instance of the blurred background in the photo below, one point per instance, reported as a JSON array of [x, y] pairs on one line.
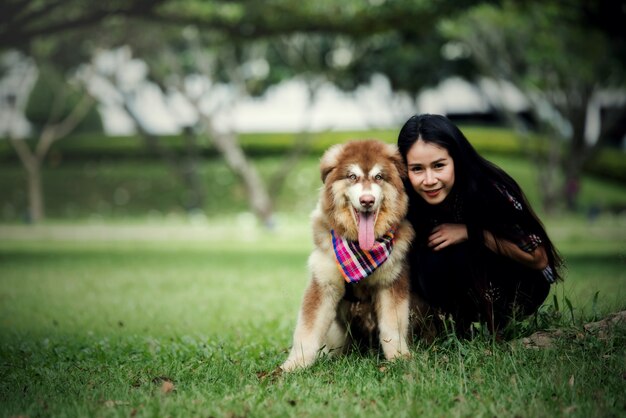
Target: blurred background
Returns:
[[192, 110]]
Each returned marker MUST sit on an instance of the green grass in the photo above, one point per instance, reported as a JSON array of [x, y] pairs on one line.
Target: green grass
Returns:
[[95, 317]]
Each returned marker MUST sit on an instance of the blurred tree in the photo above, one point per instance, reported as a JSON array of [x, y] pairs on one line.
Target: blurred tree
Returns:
[[114, 76], [228, 41], [564, 56], [308, 59], [56, 108], [259, 45]]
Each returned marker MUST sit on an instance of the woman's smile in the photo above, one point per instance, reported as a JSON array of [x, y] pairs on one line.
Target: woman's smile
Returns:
[[432, 193]]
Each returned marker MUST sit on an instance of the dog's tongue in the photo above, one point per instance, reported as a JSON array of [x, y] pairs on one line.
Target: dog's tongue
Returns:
[[366, 230]]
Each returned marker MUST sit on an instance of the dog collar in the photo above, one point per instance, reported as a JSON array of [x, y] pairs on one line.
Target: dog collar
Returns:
[[355, 263]]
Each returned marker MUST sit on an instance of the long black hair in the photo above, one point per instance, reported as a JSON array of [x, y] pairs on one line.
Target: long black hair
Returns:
[[479, 184]]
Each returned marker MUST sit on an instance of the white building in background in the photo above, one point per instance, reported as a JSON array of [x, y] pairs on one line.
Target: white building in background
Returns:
[[284, 107], [19, 77]]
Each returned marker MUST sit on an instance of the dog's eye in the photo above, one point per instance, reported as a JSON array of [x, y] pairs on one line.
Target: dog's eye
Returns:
[[378, 177], [352, 176]]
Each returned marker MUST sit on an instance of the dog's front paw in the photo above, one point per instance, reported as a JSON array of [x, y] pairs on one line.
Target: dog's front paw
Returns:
[[401, 355], [300, 358], [396, 351], [291, 365]]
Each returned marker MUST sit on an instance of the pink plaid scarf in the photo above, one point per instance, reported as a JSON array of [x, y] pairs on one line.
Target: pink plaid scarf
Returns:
[[356, 264]]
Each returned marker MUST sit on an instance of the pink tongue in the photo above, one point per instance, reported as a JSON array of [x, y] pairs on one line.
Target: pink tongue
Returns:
[[366, 230]]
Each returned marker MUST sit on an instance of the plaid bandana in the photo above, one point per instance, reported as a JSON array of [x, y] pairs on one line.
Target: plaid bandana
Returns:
[[356, 264]]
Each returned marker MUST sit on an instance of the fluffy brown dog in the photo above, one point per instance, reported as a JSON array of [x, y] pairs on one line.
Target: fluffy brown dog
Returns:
[[361, 238]]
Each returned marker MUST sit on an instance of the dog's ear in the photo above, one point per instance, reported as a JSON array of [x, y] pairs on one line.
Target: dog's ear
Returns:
[[329, 160], [397, 160]]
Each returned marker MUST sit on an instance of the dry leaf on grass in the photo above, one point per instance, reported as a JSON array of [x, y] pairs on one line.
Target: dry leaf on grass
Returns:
[[570, 382], [167, 387], [272, 376]]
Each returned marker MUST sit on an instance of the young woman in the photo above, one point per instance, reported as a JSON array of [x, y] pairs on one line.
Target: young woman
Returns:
[[480, 252]]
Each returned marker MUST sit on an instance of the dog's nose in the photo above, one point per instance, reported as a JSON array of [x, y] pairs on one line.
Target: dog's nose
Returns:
[[367, 201]]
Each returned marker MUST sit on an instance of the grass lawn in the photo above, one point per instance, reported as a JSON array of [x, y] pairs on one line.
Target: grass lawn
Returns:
[[175, 318]]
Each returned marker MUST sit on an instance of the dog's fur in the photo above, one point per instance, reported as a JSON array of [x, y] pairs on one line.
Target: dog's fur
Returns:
[[353, 174]]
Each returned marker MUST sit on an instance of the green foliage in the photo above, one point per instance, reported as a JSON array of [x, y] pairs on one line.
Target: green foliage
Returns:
[[53, 99], [546, 46], [608, 163]]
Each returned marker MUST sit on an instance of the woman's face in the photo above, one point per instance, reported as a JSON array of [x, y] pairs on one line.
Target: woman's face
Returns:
[[431, 171]]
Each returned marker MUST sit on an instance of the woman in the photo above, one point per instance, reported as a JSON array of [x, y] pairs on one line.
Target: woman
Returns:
[[480, 252]]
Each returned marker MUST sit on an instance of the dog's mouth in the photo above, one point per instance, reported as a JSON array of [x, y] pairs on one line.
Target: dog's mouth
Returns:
[[366, 222]]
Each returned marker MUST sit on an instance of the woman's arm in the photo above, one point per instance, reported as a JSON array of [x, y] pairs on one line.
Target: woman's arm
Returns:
[[536, 259], [450, 234]]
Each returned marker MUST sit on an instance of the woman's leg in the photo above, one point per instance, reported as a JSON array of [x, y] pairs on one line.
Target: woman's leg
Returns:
[[445, 279], [512, 291]]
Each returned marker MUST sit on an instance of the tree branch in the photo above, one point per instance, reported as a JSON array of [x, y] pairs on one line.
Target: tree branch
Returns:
[[24, 153], [52, 133]]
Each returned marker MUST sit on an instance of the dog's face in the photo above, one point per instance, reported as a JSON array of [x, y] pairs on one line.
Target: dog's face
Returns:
[[363, 190]]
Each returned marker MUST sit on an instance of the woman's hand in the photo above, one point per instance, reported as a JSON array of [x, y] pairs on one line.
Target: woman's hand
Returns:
[[445, 235]]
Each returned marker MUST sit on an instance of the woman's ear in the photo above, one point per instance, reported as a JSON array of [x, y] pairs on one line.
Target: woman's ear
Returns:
[[329, 160]]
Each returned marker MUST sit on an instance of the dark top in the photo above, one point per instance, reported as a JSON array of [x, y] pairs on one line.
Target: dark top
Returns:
[[468, 280]]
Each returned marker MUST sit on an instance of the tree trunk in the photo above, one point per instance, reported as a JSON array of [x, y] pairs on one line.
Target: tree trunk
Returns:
[[258, 196], [579, 105], [36, 209], [32, 166], [548, 176], [185, 170], [257, 193], [572, 169], [191, 174], [300, 147]]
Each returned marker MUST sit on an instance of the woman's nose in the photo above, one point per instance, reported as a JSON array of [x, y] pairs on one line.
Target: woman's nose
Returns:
[[429, 177]]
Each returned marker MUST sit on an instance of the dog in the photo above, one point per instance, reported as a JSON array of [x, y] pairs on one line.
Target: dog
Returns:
[[361, 240]]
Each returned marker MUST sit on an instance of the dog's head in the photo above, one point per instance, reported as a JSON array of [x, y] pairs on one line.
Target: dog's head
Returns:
[[363, 190]]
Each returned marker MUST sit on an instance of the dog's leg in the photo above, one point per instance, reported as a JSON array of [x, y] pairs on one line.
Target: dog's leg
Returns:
[[392, 310], [336, 339], [318, 311]]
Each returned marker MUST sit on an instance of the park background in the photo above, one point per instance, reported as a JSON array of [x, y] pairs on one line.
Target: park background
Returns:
[[159, 161]]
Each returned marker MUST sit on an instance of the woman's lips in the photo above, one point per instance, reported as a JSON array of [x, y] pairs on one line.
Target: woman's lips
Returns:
[[432, 193]]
